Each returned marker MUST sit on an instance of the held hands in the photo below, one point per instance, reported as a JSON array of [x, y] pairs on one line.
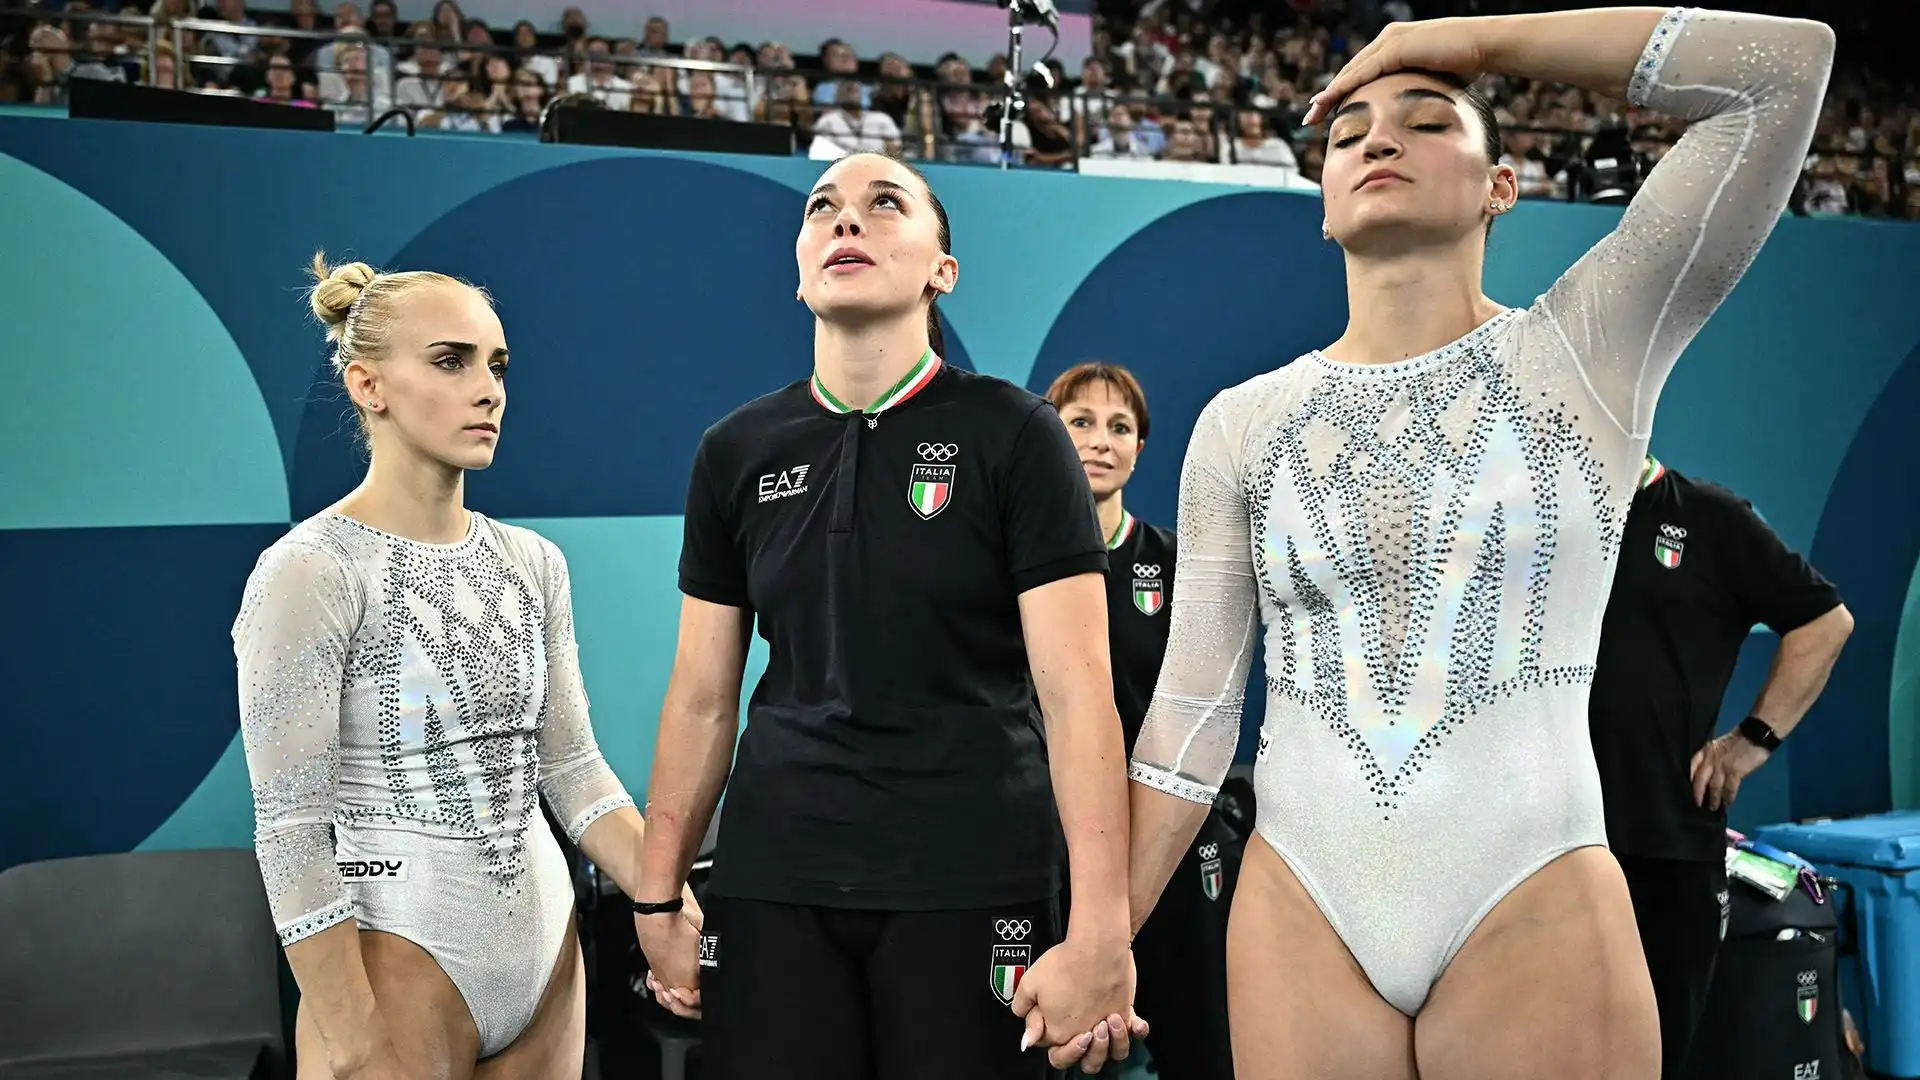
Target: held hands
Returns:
[[671, 944], [1449, 45], [1719, 766], [1077, 999]]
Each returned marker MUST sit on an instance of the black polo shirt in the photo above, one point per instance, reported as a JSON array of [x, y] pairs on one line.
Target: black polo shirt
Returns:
[[1139, 594], [894, 757], [1698, 570]]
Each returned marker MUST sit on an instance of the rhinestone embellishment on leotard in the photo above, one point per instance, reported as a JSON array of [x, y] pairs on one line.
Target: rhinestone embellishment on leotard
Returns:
[[1401, 560], [459, 676], [1655, 54]]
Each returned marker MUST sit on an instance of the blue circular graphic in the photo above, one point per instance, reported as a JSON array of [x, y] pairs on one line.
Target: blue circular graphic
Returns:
[[131, 670], [1868, 540], [170, 429], [1167, 302]]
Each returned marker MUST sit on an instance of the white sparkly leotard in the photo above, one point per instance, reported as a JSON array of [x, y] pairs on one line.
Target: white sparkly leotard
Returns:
[[404, 707], [1430, 544]]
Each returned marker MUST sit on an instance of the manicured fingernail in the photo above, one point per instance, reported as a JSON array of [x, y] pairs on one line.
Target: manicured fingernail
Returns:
[[1084, 1041], [1026, 1040]]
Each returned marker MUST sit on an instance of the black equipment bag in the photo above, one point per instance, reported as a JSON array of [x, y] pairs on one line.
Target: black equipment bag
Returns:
[[1774, 1007]]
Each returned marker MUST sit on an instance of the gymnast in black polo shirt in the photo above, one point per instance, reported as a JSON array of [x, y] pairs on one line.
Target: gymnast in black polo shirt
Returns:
[[1698, 569], [902, 534]]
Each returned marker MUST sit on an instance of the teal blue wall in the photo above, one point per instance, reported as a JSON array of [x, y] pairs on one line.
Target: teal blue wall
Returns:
[[166, 416]]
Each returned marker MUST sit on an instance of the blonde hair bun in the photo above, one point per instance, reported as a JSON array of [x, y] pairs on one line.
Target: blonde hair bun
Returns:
[[335, 289]]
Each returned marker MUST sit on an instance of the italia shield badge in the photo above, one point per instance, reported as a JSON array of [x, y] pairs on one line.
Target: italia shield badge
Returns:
[[1011, 957], [1148, 596], [1211, 875], [1210, 878], [1668, 544], [930, 490], [1807, 998], [1009, 963]]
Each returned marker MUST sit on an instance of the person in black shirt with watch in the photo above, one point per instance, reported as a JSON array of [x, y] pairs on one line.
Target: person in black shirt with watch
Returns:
[[883, 898], [1698, 570], [1181, 950]]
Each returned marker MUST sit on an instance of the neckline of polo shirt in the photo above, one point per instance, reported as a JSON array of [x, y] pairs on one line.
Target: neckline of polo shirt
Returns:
[[1651, 472], [910, 384], [1120, 534]]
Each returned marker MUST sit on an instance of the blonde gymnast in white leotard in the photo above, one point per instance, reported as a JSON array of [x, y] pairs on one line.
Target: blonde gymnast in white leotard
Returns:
[[410, 693]]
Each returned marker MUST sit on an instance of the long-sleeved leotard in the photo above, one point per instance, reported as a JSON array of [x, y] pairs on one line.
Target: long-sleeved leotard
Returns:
[[404, 707], [1429, 544]]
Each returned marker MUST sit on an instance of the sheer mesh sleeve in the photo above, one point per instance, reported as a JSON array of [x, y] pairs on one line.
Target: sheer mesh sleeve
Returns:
[[1192, 727], [290, 640], [574, 776], [1752, 85]]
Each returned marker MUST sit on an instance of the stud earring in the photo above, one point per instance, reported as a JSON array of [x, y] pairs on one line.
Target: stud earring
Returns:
[[1497, 208], [1325, 233]]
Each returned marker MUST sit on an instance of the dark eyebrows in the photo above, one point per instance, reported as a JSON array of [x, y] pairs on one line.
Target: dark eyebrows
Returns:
[[887, 186], [467, 348], [1411, 93]]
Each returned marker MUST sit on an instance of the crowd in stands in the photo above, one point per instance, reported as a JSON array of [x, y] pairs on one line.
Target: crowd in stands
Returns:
[[1197, 81]]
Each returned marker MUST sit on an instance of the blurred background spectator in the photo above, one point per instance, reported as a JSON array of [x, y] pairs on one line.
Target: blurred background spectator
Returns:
[[1192, 85]]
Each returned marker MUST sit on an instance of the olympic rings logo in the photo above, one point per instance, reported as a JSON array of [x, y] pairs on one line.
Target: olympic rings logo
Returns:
[[934, 451], [1012, 929], [1209, 851], [1673, 532], [1808, 978], [1146, 569]]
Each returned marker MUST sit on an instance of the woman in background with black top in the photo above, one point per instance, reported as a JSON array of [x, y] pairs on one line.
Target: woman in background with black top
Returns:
[[1181, 951], [887, 875]]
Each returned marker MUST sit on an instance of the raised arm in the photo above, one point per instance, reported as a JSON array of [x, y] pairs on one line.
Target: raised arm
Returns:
[[1192, 726], [290, 640], [1751, 86], [587, 798]]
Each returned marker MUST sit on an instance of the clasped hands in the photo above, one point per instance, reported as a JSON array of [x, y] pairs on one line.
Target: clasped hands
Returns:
[[670, 943], [1076, 999]]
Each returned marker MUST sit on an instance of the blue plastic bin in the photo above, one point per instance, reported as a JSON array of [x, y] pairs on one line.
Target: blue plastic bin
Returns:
[[1878, 859]]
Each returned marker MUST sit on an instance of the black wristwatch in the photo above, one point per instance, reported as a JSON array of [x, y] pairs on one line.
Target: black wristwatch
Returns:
[[662, 907], [1759, 733]]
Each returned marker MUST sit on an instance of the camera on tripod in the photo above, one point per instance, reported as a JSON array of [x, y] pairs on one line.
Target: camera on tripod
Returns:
[[1610, 171], [1013, 105], [1042, 12]]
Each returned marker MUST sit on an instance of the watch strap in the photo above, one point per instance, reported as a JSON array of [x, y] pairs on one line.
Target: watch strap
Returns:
[[1759, 733]]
